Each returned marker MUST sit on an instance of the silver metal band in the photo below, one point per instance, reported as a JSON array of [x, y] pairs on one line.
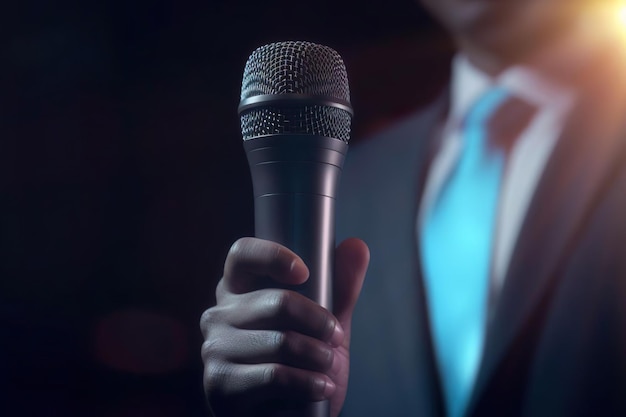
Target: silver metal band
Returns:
[[293, 100]]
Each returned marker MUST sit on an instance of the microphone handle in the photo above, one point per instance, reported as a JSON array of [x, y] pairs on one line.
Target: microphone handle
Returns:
[[305, 224], [295, 180]]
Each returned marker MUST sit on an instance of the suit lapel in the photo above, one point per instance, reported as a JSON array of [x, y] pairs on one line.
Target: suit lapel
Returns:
[[588, 151]]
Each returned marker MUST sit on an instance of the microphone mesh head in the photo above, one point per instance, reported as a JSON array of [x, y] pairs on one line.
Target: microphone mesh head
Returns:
[[296, 68]]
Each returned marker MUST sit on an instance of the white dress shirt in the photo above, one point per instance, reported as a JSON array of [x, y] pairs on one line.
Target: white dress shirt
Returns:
[[526, 161]]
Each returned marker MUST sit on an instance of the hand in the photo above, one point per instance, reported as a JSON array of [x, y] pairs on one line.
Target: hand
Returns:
[[263, 346]]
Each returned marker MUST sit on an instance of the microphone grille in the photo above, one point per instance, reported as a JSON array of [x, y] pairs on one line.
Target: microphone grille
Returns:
[[296, 67]]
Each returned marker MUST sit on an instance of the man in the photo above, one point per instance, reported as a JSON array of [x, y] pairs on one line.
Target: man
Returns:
[[498, 267]]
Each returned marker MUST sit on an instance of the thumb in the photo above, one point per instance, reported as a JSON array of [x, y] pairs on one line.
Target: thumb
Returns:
[[351, 259]]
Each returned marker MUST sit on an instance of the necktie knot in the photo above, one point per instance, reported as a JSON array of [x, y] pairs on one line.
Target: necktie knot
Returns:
[[508, 121], [500, 117]]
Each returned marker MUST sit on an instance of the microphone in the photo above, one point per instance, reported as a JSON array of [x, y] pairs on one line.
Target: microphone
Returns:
[[295, 119]]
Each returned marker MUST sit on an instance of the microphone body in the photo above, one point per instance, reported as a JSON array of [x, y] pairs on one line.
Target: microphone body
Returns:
[[295, 179], [295, 117]]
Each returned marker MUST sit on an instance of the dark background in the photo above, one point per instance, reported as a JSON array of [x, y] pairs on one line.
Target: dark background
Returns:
[[123, 181]]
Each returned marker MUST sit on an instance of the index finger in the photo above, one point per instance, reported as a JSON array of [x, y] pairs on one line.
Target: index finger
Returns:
[[251, 259]]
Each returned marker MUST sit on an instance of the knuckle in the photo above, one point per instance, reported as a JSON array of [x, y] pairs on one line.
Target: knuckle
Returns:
[[281, 342], [327, 326], [280, 302], [280, 261], [315, 386], [215, 375], [239, 246], [325, 358], [220, 290], [329, 360], [207, 318], [272, 375], [209, 350], [322, 324], [276, 254], [312, 384], [236, 251], [210, 319]]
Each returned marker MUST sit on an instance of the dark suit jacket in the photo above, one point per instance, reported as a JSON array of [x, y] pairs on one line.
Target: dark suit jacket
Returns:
[[556, 341]]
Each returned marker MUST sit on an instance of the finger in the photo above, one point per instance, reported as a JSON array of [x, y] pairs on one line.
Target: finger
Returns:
[[263, 346], [275, 309], [351, 261], [231, 383], [251, 259]]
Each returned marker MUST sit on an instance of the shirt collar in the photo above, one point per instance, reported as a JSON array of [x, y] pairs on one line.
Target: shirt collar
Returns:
[[469, 83]]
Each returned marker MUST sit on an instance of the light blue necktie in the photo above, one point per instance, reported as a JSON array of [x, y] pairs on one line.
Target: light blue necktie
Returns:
[[456, 242]]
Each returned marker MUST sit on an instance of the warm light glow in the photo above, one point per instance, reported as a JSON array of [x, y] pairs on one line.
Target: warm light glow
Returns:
[[610, 15], [618, 15], [621, 13]]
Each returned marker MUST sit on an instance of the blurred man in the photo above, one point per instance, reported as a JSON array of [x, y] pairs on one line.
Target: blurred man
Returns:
[[496, 221]]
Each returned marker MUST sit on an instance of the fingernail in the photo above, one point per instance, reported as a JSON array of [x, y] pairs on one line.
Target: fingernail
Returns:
[[337, 336], [299, 270], [329, 389]]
